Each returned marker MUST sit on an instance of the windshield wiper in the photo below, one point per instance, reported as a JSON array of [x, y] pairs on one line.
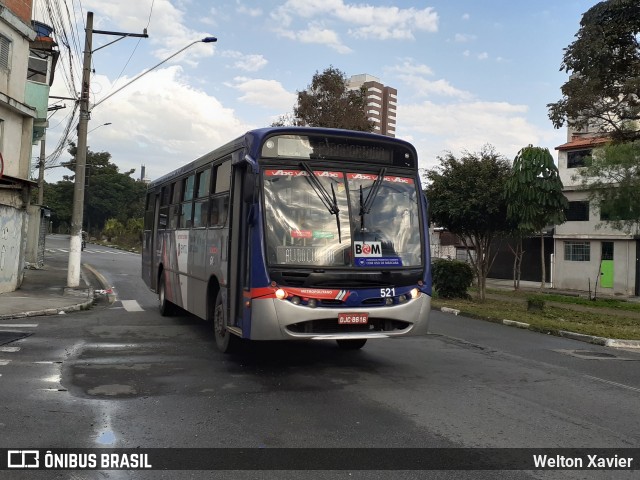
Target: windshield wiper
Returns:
[[365, 206], [329, 201]]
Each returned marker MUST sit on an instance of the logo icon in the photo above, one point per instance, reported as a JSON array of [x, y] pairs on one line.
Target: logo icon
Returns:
[[23, 459]]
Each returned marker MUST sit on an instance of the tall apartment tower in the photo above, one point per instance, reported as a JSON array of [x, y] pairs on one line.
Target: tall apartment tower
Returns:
[[381, 102]]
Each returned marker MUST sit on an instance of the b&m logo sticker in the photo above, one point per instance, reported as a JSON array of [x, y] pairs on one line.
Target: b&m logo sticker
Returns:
[[367, 249]]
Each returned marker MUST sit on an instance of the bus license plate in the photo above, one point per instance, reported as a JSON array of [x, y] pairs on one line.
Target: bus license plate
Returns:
[[353, 318]]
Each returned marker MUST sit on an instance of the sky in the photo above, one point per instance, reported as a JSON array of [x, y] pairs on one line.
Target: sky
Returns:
[[468, 73]]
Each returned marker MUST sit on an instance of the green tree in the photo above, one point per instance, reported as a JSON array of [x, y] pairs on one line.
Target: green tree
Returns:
[[108, 193], [327, 102], [113, 228], [466, 197], [612, 177], [59, 198], [534, 195], [604, 62]]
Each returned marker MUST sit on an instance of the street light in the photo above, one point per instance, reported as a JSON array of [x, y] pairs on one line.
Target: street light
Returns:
[[202, 40], [103, 125], [75, 242]]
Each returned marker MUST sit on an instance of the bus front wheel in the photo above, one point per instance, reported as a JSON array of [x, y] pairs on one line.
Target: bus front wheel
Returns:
[[354, 344], [226, 341]]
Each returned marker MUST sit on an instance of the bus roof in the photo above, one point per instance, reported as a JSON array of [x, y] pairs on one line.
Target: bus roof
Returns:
[[253, 140]]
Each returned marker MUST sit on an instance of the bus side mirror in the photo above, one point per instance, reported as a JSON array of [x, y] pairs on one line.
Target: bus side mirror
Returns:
[[249, 188]]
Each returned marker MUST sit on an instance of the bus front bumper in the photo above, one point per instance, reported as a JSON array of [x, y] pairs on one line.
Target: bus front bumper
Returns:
[[274, 319]]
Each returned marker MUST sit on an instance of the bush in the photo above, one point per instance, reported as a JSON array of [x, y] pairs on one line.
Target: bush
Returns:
[[451, 278], [535, 302]]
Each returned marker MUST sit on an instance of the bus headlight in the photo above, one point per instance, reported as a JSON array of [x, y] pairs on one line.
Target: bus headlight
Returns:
[[296, 300], [415, 293], [313, 303], [281, 294]]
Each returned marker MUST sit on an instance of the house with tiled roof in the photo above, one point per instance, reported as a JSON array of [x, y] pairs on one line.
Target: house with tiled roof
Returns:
[[589, 254]]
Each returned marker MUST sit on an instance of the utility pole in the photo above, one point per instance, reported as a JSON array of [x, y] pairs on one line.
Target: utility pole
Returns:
[[41, 173], [75, 243]]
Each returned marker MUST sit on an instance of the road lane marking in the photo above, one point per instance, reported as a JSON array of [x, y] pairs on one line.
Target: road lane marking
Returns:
[[9, 349], [17, 325], [4, 362], [131, 306], [616, 384]]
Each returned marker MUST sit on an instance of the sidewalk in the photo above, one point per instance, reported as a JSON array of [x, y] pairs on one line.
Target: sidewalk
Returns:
[[44, 291]]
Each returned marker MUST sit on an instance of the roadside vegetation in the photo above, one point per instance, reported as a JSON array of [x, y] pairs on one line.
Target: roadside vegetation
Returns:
[[609, 318]]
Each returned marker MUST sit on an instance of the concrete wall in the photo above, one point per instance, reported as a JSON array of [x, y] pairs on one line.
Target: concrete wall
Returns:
[[576, 275], [15, 142], [12, 226]]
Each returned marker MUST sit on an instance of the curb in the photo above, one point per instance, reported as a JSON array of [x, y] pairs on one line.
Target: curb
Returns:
[[52, 311], [605, 342], [106, 288]]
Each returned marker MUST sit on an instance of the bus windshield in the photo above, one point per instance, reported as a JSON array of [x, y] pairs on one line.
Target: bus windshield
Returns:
[[376, 223]]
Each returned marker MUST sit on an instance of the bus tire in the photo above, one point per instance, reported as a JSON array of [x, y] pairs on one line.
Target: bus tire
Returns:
[[226, 341], [354, 344], [166, 307]]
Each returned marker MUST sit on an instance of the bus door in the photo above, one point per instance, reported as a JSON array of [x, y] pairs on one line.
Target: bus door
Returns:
[[153, 244], [239, 242]]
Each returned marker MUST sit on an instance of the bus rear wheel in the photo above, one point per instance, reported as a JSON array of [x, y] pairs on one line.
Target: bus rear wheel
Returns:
[[354, 344], [166, 307], [226, 341]]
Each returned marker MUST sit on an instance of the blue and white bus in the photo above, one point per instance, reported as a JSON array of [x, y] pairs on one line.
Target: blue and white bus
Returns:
[[294, 233]]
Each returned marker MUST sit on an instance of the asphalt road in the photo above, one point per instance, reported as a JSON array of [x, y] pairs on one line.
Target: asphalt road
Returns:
[[122, 376]]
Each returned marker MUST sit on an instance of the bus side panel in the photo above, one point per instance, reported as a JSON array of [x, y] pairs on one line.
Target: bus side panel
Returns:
[[427, 244], [169, 258], [259, 277], [146, 260], [197, 273]]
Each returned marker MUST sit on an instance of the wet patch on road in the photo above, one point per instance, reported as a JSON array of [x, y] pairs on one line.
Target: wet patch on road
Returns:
[[8, 337], [116, 373]]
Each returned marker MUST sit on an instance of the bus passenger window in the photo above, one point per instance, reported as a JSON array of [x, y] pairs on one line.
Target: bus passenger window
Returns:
[[219, 210], [174, 215], [204, 181], [185, 215], [176, 196], [162, 218], [223, 177], [189, 185], [165, 198], [200, 213]]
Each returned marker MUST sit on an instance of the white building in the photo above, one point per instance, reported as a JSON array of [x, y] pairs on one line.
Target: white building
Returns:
[[382, 102], [588, 252], [16, 136]]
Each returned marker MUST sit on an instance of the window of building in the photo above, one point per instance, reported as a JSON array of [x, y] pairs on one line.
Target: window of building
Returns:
[[607, 250], [609, 212], [38, 67], [577, 251], [5, 46], [577, 211], [576, 158]]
